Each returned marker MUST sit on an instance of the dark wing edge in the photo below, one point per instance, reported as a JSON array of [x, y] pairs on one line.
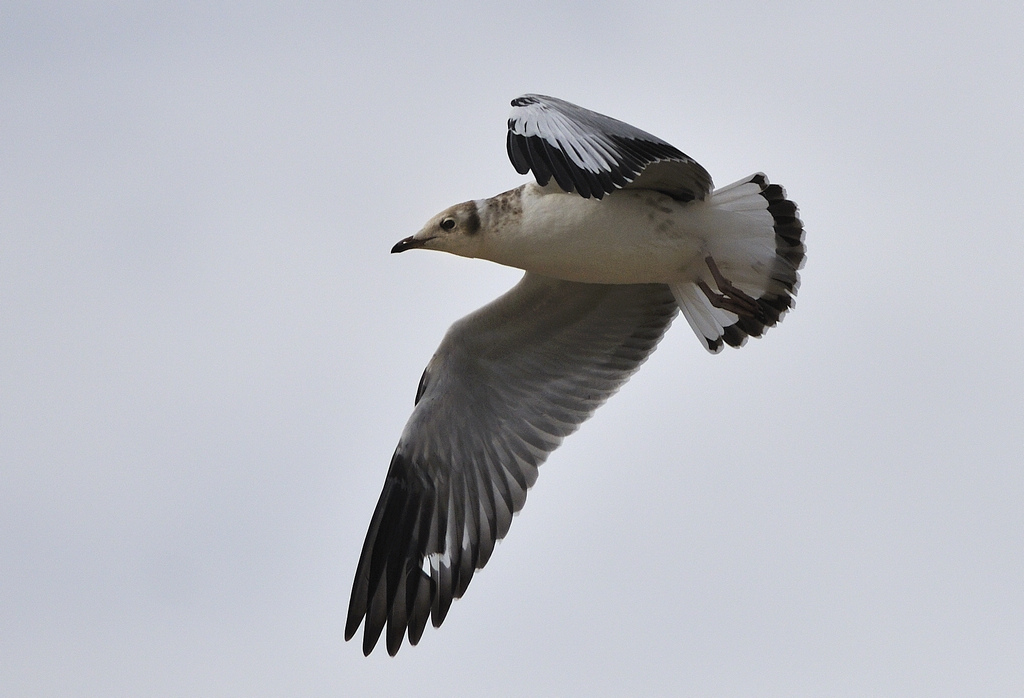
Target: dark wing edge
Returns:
[[507, 384], [593, 154]]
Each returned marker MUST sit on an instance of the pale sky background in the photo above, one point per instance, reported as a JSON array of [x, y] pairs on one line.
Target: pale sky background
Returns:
[[207, 353]]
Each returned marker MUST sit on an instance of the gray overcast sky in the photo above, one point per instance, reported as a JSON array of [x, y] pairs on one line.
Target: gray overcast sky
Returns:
[[207, 353]]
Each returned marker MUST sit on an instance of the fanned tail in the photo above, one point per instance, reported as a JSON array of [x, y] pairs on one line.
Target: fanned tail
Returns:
[[750, 275]]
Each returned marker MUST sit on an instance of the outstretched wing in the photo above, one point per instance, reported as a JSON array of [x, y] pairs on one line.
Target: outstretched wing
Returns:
[[593, 154], [507, 384]]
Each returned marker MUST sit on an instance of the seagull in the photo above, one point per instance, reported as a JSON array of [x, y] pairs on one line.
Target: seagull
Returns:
[[619, 233]]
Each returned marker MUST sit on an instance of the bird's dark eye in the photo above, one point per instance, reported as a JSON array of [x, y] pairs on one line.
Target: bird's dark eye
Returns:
[[448, 223]]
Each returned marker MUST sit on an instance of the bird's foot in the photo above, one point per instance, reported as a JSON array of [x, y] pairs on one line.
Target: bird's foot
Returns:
[[728, 296]]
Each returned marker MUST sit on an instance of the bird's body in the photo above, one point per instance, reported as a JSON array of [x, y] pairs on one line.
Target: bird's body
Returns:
[[620, 232], [631, 236]]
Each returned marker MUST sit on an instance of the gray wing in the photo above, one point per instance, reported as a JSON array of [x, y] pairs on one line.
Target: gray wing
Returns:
[[593, 154], [507, 384]]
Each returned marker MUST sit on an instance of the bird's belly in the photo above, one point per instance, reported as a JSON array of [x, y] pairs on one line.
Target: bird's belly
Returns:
[[629, 237]]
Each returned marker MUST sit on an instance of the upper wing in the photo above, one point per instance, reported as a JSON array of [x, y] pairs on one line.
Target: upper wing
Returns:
[[595, 154], [507, 384]]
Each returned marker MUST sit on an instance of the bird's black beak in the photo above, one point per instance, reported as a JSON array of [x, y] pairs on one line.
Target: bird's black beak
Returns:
[[409, 243]]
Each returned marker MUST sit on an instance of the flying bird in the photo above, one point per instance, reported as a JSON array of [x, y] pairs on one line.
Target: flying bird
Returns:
[[619, 232]]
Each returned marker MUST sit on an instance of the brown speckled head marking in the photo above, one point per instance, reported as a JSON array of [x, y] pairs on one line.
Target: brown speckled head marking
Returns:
[[472, 219], [508, 204]]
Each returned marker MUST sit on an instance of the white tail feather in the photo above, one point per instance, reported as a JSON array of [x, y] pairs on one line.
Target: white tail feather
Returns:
[[756, 244]]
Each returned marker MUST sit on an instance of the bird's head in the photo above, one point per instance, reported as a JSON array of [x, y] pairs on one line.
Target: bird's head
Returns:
[[455, 230]]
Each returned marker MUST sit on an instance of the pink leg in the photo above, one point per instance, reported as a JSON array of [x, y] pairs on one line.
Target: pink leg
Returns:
[[730, 298]]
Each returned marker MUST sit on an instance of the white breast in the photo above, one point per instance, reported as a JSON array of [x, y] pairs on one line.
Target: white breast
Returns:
[[629, 236]]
